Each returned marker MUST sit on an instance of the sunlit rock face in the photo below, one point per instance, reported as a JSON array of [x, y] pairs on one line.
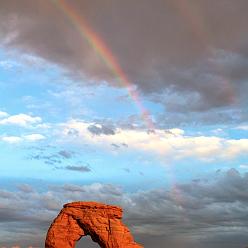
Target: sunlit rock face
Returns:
[[102, 222]]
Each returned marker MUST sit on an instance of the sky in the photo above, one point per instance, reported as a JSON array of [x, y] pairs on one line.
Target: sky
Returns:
[[140, 104]]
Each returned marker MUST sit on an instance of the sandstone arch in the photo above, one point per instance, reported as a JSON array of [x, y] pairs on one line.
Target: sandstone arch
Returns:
[[102, 222]]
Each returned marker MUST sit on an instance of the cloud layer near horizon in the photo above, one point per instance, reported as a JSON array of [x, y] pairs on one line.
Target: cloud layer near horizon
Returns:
[[194, 214], [168, 49]]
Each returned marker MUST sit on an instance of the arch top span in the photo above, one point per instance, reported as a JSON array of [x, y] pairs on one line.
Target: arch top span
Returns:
[[101, 221]]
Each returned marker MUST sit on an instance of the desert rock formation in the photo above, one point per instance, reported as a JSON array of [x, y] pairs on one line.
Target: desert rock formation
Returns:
[[102, 222]]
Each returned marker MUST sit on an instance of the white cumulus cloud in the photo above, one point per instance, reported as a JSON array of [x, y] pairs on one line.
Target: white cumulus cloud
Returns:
[[3, 114], [171, 143], [11, 139], [22, 120], [243, 127], [25, 138], [34, 137]]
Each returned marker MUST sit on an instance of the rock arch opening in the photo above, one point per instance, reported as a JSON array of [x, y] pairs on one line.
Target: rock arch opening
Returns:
[[100, 221], [86, 241]]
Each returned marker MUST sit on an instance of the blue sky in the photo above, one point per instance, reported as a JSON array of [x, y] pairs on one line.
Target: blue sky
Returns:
[[38, 100], [69, 131]]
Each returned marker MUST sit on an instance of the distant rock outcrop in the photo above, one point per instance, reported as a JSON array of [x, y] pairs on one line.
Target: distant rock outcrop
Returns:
[[102, 222]]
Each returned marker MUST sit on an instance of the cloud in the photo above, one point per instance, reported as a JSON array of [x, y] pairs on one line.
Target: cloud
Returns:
[[26, 188], [65, 154], [51, 157], [126, 170], [198, 212], [99, 129], [34, 137], [25, 138], [170, 143], [231, 116], [22, 120], [82, 168], [3, 114], [196, 61], [11, 139], [243, 127], [243, 166]]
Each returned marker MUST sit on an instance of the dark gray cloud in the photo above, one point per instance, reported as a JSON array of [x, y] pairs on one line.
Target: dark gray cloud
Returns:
[[65, 154], [51, 156], [119, 146], [73, 132], [197, 214], [79, 168], [211, 117], [50, 159], [193, 53], [115, 146], [56, 158], [101, 129], [126, 170]]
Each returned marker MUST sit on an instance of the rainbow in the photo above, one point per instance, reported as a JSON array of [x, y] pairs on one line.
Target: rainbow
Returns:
[[105, 54]]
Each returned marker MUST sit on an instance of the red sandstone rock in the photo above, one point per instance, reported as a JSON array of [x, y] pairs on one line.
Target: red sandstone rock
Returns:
[[102, 222]]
